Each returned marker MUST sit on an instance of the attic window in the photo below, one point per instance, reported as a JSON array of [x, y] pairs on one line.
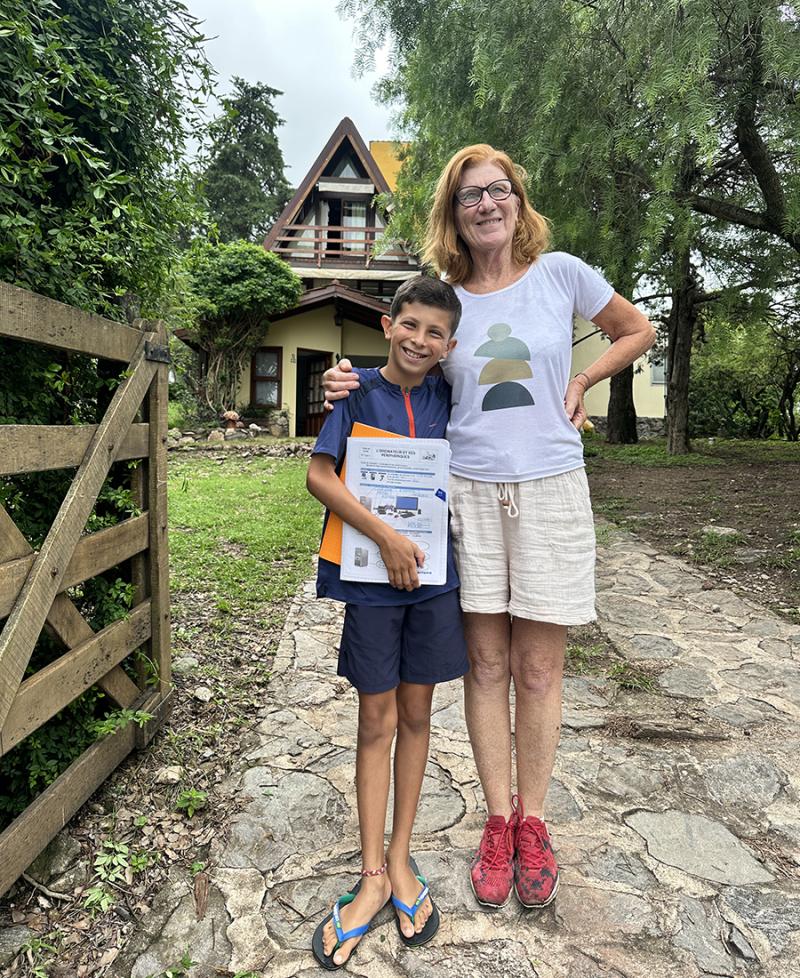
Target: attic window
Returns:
[[345, 168]]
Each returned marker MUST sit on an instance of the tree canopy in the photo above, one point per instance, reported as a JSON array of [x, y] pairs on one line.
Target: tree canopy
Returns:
[[652, 131], [236, 287], [244, 179], [96, 101]]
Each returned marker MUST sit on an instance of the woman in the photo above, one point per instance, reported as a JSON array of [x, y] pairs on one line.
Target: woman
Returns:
[[521, 518]]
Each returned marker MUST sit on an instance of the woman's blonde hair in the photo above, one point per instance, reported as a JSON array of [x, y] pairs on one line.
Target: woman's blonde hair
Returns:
[[446, 250]]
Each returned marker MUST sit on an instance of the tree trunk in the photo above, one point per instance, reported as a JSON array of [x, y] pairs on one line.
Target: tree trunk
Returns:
[[786, 405], [681, 323], [621, 410]]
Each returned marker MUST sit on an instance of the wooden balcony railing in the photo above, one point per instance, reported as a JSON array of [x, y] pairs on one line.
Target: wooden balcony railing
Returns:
[[322, 242]]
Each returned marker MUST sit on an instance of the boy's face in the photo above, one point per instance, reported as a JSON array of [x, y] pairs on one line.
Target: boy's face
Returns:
[[419, 337]]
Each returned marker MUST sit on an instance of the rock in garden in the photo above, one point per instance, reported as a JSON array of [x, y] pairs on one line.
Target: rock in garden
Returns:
[[216, 435], [169, 775], [721, 531], [698, 846], [203, 693]]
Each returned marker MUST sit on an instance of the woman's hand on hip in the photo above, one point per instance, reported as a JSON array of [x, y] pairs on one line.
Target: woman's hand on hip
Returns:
[[338, 381], [573, 402]]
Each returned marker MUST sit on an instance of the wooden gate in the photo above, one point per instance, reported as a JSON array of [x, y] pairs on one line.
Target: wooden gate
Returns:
[[33, 585]]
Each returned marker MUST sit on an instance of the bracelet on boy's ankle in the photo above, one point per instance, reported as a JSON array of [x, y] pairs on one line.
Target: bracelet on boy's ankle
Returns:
[[374, 872]]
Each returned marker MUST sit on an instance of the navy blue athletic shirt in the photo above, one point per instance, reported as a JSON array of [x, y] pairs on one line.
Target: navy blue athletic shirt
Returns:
[[422, 413]]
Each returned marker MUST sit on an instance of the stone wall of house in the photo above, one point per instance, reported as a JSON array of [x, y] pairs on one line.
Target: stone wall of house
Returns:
[[645, 427]]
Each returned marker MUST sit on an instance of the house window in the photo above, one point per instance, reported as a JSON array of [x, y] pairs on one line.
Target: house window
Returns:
[[354, 215], [658, 373], [266, 377]]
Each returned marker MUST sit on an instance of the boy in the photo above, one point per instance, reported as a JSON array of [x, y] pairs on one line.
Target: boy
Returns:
[[399, 639]]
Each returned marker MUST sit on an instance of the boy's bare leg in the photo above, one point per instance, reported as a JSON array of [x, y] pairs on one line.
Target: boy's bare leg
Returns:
[[410, 758], [377, 722]]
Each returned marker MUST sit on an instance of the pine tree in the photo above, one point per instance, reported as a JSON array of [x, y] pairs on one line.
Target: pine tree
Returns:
[[245, 185]]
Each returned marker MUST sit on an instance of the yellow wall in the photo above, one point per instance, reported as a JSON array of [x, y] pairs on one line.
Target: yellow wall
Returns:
[[385, 152], [313, 330], [362, 341], [648, 397]]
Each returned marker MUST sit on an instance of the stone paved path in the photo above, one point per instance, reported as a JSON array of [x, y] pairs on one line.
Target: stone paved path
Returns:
[[674, 811]]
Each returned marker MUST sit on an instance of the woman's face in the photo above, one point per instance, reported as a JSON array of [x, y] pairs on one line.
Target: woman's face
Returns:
[[489, 225]]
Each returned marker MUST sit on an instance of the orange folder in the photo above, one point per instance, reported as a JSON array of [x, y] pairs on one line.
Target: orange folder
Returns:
[[331, 546]]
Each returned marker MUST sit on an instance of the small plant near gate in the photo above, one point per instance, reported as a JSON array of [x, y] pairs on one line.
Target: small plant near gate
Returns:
[[39, 954], [190, 800], [178, 970]]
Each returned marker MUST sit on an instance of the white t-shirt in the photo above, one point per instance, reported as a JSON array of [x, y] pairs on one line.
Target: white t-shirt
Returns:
[[510, 370]]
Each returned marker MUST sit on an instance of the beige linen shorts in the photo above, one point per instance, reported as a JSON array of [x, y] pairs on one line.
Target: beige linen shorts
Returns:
[[532, 557]]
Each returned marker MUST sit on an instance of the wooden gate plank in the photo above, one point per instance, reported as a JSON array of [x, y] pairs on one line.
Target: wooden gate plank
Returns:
[[93, 554], [40, 447], [157, 509], [55, 686], [30, 832], [44, 580], [73, 629], [65, 619], [35, 319]]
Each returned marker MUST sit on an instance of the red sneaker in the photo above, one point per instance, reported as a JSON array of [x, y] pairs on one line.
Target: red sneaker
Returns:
[[535, 866], [492, 874]]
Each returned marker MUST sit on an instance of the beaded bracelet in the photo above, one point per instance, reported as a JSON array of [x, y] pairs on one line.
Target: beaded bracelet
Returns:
[[374, 872]]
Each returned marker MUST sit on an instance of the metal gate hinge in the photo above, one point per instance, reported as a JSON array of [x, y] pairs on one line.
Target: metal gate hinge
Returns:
[[158, 353]]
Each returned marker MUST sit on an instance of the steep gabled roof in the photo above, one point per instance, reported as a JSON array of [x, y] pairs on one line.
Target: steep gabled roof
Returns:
[[355, 305], [345, 130]]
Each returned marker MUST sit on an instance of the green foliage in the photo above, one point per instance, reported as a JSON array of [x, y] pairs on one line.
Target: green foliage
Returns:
[[98, 898], [190, 800], [97, 98], [236, 288], [736, 385], [38, 953], [649, 130], [244, 179]]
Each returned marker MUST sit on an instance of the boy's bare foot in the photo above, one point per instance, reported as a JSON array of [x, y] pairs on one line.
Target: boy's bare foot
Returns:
[[372, 895], [406, 887]]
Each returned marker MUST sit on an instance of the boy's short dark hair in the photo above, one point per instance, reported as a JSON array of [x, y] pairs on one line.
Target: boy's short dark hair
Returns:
[[430, 292]]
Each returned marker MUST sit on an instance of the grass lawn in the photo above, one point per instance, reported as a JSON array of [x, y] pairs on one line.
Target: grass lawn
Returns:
[[242, 530]]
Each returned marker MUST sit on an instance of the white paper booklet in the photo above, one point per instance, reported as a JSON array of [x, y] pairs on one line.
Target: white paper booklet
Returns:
[[403, 481]]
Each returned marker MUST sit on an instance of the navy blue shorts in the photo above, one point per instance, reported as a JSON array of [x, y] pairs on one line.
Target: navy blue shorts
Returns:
[[383, 646]]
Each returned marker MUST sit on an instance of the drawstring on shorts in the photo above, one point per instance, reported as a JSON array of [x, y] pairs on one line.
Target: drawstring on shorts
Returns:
[[506, 494]]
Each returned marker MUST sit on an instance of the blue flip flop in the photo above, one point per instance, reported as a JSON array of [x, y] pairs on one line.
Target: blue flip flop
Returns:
[[326, 960], [431, 924]]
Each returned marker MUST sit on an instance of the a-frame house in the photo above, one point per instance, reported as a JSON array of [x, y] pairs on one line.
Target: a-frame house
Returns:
[[327, 234]]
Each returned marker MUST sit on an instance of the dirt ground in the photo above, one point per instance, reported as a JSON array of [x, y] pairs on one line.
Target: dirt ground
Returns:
[[750, 487]]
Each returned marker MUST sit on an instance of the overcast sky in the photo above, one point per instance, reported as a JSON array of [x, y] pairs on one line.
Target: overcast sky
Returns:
[[304, 49]]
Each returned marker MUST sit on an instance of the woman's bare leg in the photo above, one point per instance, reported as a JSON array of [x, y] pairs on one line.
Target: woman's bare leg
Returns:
[[486, 705], [537, 665]]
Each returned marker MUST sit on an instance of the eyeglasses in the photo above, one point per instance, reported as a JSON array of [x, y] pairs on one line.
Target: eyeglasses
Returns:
[[472, 196]]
